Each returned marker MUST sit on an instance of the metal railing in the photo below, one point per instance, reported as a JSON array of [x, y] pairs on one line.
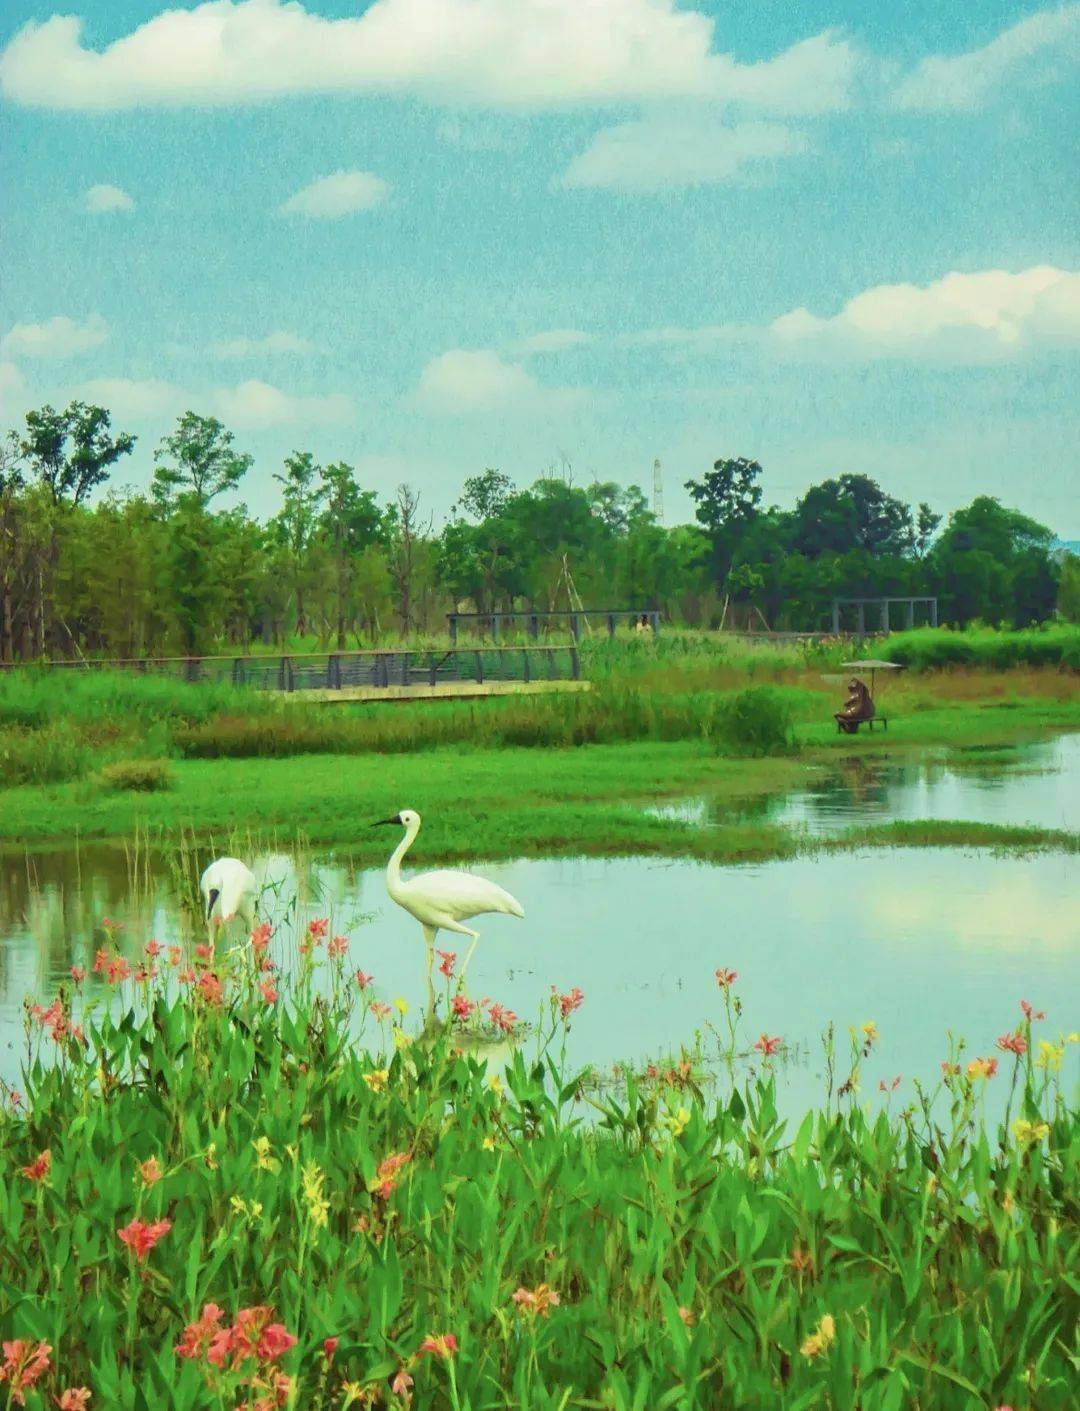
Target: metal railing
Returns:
[[335, 671]]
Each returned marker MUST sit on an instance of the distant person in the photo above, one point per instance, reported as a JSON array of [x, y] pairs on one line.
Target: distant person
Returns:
[[642, 624], [857, 708]]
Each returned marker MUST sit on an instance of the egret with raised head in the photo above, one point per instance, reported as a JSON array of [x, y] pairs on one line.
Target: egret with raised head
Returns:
[[441, 901], [229, 889]]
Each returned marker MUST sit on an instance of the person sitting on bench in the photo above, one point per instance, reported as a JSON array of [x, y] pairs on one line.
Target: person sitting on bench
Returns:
[[857, 708]]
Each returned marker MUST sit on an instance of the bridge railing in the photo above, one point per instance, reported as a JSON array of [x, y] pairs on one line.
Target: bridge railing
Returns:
[[333, 671]]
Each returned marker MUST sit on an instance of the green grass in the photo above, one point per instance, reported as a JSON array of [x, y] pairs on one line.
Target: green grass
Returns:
[[878, 1254]]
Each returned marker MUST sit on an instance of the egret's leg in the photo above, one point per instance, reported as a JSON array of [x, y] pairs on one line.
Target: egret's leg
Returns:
[[430, 932], [468, 955]]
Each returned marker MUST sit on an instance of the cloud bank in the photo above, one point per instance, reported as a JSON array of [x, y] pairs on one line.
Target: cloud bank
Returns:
[[60, 337], [343, 193], [105, 200]]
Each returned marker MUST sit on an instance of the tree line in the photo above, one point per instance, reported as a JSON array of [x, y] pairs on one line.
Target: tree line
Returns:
[[87, 568]]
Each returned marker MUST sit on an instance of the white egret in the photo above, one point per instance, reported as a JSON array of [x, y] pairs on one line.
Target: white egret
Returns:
[[229, 889], [441, 901]]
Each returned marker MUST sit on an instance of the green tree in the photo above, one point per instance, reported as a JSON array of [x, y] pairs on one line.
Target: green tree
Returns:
[[727, 499], [294, 524], [199, 458], [852, 512], [71, 452], [1069, 588], [351, 522]]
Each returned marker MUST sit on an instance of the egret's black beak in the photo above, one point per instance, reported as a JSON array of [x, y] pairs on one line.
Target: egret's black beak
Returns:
[[383, 822]]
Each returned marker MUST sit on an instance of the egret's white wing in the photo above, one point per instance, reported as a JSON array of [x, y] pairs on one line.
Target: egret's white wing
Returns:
[[461, 895]]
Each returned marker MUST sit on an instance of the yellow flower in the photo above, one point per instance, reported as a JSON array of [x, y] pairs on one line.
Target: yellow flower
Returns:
[[377, 1080], [488, 1143], [676, 1121], [401, 1040], [264, 1155], [250, 1212], [318, 1206], [351, 1391], [820, 1340], [1050, 1056], [1028, 1132], [401, 1007], [291, 1152], [495, 1083], [210, 1156], [1073, 1038], [870, 1031]]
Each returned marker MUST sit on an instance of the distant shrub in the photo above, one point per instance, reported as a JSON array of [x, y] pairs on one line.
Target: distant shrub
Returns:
[[939, 648], [757, 721], [50, 755], [144, 776]]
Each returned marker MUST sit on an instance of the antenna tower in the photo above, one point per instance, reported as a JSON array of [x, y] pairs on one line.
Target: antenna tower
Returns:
[[657, 493]]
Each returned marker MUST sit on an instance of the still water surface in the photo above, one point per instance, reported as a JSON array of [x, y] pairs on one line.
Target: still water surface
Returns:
[[921, 941]]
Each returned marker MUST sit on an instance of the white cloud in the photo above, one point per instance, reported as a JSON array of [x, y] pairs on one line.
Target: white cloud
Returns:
[[104, 199], [494, 53], [255, 404], [1036, 48], [658, 154], [273, 344], [463, 381], [985, 316], [134, 399], [60, 337], [250, 405], [961, 317], [340, 194], [554, 340]]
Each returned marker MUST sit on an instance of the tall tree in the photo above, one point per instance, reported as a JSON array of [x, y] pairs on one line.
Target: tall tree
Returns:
[[71, 452], [727, 499], [294, 524], [352, 521], [198, 458]]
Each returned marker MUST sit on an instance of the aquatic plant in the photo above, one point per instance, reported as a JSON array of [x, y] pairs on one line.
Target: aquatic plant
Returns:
[[215, 1196]]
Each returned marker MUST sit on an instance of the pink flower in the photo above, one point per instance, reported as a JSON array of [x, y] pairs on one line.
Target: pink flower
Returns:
[[74, 1399], [140, 1237], [154, 949], [884, 1087], [260, 938], [401, 1383], [268, 992], [329, 1347], [447, 961], [210, 987], [569, 1002], [186, 977], [101, 960], [538, 1301], [23, 1364], [362, 980], [197, 1335], [767, 1046], [204, 952], [441, 1345], [1029, 1013], [174, 956], [503, 1019], [380, 1010], [150, 1171], [726, 978], [78, 973], [318, 929], [338, 946], [1013, 1043]]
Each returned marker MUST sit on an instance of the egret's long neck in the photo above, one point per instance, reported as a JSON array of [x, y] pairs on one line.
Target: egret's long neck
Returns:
[[393, 867]]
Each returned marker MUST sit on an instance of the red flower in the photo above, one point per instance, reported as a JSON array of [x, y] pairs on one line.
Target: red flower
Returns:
[[39, 1167], [204, 952], [462, 1007], [726, 978], [117, 970], [268, 992], [101, 960], [1029, 1013], [78, 973], [767, 1046], [338, 946], [401, 1383], [186, 977], [329, 1347], [154, 949], [1013, 1043], [447, 961], [140, 1237], [260, 938], [197, 1335], [884, 1087], [174, 956], [150, 1171], [569, 1002], [441, 1345], [210, 987], [318, 929], [23, 1364], [362, 980], [386, 1175]]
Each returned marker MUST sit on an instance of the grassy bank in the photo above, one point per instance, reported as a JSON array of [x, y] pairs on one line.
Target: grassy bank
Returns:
[[235, 1201]]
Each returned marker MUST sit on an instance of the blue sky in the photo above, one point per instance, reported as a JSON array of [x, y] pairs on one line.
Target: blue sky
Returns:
[[426, 236]]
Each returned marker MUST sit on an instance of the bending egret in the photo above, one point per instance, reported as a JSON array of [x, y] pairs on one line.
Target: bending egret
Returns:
[[441, 901], [229, 889]]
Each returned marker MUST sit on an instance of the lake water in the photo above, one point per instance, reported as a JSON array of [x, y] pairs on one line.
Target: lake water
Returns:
[[921, 941]]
